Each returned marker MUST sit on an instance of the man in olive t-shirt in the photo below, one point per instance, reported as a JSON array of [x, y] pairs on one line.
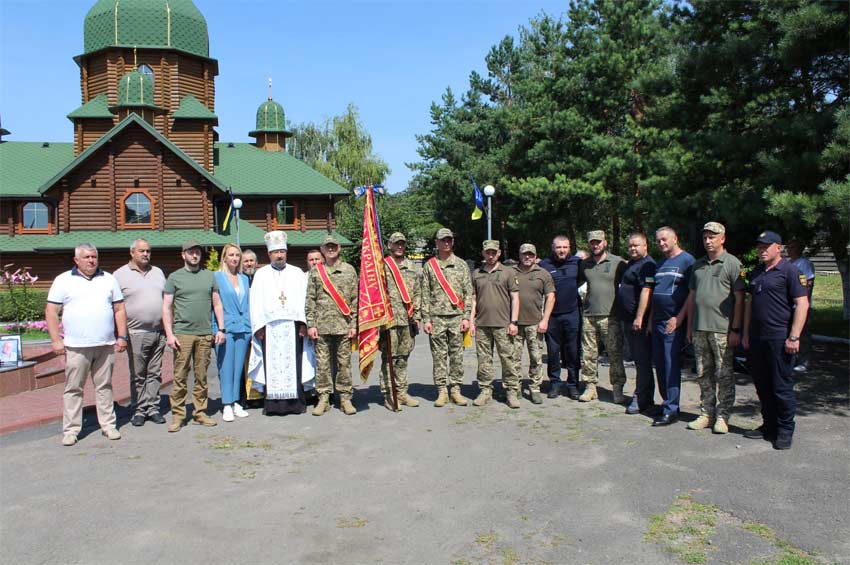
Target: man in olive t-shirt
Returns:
[[191, 292], [715, 314], [536, 299], [603, 273]]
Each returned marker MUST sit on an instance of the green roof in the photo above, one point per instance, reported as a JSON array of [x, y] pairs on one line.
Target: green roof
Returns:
[[252, 171], [270, 119], [161, 24], [131, 119], [97, 107], [26, 165], [249, 235], [192, 109], [135, 89]]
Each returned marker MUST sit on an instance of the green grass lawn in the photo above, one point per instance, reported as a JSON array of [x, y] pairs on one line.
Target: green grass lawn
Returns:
[[827, 302]]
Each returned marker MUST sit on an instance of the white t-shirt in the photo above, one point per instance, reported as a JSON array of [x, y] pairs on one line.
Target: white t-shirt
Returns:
[[87, 316]]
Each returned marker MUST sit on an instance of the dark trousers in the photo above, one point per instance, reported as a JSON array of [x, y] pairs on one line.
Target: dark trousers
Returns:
[[640, 345], [562, 347], [666, 354], [773, 371]]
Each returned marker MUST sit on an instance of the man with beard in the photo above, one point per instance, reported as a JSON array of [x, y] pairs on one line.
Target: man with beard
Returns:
[[249, 264], [278, 324]]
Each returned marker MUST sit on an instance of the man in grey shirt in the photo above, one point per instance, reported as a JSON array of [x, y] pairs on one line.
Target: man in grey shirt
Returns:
[[142, 285]]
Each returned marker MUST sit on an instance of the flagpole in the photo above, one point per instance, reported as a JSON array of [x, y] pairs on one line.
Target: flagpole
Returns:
[[489, 191], [237, 205]]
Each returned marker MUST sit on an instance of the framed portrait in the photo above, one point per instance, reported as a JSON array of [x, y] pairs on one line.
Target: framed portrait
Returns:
[[10, 349]]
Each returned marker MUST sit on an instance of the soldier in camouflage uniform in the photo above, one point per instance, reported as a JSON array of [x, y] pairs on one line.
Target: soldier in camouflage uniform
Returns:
[[536, 299], [332, 330], [405, 326], [495, 315], [445, 322], [603, 273], [715, 315]]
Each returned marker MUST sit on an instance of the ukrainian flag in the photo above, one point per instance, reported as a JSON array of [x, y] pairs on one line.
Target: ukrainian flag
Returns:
[[230, 213], [478, 211]]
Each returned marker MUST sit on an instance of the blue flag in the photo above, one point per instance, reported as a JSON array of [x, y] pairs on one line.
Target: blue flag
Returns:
[[478, 211]]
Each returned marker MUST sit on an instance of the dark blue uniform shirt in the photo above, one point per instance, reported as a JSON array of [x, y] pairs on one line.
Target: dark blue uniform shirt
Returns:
[[639, 274], [773, 294], [567, 277]]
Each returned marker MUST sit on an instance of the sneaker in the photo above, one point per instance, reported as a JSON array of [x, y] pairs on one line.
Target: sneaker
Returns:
[[111, 434], [759, 433], [69, 439], [800, 369], [239, 412], [720, 426], [701, 423], [227, 413]]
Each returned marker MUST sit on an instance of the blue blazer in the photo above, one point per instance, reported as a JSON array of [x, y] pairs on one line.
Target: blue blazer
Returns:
[[237, 310]]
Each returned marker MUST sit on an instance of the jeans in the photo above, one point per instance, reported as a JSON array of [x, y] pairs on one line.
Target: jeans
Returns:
[[666, 354], [562, 347]]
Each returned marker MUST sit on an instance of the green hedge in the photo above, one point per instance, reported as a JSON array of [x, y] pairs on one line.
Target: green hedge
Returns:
[[30, 305]]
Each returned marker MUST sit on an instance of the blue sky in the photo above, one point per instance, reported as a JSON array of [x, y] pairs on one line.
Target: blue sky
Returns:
[[390, 58]]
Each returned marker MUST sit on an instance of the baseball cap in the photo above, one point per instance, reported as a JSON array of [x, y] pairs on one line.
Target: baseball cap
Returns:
[[490, 244], [595, 235], [714, 227], [527, 248], [330, 240], [189, 244], [443, 233], [396, 237], [769, 237]]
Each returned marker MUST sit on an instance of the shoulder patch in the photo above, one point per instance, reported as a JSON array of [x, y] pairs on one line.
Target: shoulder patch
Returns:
[[803, 280]]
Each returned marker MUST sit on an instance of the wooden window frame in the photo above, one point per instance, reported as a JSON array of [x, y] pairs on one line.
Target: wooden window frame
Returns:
[[295, 216], [147, 226], [23, 230]]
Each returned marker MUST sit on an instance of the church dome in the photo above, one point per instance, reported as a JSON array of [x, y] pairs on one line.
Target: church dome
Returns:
[[161, 24], [135, 89], [270, 119]]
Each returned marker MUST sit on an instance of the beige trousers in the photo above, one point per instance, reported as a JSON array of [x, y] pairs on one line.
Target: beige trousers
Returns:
[[78, 362]]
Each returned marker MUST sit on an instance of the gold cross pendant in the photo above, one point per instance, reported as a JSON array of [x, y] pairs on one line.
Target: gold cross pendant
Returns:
[[282, 298]]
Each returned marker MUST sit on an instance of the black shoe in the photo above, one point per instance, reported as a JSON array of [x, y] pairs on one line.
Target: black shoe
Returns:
[[554, 391], [664, 420], [760, 433], [572, 392], [138, 420], [157, 418], [782, 442]]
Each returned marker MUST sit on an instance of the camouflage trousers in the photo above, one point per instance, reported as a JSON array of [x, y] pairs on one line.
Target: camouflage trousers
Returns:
[[485, 340], [447, 350], [716, 375], [610, 331], [533, 342], [401, 343], [328, 348]]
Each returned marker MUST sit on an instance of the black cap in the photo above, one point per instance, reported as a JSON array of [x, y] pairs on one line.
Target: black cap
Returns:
[[769, 237]]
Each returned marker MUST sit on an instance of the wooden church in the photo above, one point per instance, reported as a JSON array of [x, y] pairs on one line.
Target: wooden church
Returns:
[[146, 160]]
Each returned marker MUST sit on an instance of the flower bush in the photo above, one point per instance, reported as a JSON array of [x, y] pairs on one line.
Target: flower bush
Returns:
[[20, 302]]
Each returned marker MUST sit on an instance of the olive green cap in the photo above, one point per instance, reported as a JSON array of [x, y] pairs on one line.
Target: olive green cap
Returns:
[[595, 235], [443, 233], [396, 237], [527, 248], [714, 227], [330, 240], [490, 244]]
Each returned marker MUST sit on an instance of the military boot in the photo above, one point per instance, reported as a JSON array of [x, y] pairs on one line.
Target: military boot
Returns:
[[457, 397], [617, 392], [701, 423], [323, 405], [388, 403], [442, 397], [483, 397], [589, 393], [346, 406], [512, 400], [407, 400], [536, 397], [720, 426]]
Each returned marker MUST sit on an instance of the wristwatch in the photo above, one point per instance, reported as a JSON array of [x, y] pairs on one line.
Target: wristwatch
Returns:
[[124, 337], [735, 330], [793, 338], [515, 322]]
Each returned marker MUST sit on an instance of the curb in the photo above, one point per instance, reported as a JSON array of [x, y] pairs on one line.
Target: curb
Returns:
[[830, 339]]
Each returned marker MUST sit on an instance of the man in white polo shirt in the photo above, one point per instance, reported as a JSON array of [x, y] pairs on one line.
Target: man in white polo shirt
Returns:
[[92, 309]]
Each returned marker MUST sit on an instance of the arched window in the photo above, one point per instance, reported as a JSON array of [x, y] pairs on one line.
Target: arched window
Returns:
[[35, 218], [285, 213], [138, 210], [147, 71]]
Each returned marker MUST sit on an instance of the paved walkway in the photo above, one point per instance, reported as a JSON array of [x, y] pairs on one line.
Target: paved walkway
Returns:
[[43, 406]]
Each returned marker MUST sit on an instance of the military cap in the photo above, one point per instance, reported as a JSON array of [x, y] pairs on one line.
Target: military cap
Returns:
[[189, 244], [396, 237], [443, 233], [330, 240], [714, 227], [769, 237], [595, 235], [490, 244], [527, 248]]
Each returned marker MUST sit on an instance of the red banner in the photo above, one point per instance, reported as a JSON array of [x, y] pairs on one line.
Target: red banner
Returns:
[[374, 311]]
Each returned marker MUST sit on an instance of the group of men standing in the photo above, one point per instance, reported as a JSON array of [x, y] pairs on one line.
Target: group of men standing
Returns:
[[305, 323]]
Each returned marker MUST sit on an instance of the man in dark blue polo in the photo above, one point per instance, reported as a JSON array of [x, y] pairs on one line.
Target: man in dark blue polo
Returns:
[[773, 320], [564, 324]]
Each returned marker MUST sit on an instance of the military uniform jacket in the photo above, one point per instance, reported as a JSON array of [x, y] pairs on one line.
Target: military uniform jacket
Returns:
[[413, 281], [322, 312], [435, 302]]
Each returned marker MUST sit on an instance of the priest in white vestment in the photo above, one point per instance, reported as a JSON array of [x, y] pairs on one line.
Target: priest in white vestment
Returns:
[[278, 326]]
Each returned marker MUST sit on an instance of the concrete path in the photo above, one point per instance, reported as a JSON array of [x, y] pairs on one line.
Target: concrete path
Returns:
[[559, 483]]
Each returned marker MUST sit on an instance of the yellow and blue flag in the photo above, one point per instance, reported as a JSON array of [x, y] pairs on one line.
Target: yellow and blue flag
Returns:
[[230, 212], [478, 211]]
